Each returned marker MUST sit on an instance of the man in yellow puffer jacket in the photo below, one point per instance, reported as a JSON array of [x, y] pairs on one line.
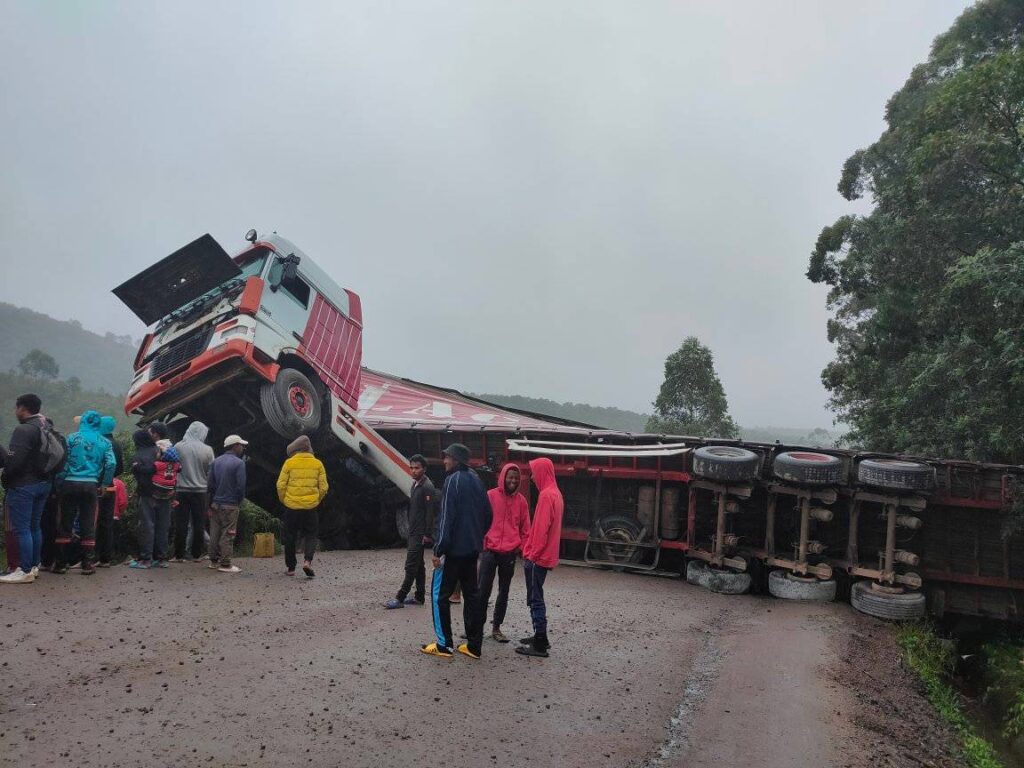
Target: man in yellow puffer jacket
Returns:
[[301, 487]]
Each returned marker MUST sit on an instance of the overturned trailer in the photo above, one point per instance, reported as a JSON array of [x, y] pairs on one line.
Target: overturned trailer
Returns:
[[265, 344]]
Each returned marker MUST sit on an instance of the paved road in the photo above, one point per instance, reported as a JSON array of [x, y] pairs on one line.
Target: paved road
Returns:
[[186, 666]]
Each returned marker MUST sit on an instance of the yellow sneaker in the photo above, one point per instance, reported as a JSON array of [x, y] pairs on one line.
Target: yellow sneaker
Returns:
[[434, 650], [464, 649]]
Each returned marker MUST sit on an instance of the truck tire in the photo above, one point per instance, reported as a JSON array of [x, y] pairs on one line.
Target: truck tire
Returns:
[[291, 404], [893, 607], [725, 463], [781, 584], [896, 474], [402, 521], [808, 468], [724, 582], [620, 528]]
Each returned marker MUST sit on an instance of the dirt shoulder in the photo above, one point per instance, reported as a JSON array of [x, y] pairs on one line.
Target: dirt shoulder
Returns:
[[187, 666]]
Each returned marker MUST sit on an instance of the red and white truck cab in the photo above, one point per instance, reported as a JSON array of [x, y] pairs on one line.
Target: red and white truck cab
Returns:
[[269, 320]]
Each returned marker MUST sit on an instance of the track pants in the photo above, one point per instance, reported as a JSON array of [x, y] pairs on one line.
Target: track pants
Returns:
[[191, 509], [414, 571], [299, 524], [77, 500], [456, 571], [505, 565], [535, 576]]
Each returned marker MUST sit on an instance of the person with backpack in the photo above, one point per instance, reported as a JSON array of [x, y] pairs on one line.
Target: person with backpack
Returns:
[[301, 486], [35, 453], [108, 499], [154, 513], [88, 469], [196, 459]]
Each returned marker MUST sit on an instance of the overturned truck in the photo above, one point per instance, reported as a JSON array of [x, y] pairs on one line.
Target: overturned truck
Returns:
[[265, 344]]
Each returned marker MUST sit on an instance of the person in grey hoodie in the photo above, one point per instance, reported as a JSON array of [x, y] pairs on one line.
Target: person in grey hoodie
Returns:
[[196, 458]]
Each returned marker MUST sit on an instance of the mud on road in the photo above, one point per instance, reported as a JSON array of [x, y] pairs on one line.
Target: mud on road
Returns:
[[186, 666]]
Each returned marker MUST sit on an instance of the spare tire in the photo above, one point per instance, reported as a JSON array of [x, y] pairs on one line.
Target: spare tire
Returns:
[[883, 605], [726, 463], [718, 580], [291, 404], [623, 530], [808, 468], [896, 474]]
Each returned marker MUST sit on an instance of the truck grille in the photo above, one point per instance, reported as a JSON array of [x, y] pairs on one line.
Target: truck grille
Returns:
[[181, 351]]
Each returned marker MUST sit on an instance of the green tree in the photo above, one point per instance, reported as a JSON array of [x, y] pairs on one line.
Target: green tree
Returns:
[[927, 290], [691, 400], [39, 365]]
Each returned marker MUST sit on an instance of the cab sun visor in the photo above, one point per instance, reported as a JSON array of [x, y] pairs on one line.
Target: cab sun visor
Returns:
[[186, 274]]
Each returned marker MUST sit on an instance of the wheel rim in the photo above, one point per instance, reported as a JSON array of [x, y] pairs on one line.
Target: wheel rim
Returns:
[[300, 401], [623, 545]]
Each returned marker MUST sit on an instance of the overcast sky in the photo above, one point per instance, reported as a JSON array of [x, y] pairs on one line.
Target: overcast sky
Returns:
[[542, 198]]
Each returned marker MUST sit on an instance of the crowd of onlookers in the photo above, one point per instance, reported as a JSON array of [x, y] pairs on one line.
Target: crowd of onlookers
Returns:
[[65, 494]]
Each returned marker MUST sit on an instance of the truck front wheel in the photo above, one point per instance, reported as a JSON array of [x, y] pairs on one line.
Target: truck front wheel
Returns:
[[291, 404]]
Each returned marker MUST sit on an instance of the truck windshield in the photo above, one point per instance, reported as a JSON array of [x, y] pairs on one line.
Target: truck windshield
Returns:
[[253, 265]]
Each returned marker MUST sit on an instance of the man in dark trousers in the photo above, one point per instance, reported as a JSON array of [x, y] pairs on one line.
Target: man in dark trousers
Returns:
[[510, 528], [108, 499], [226, 486], [422, 501], [540, 555], [464, 516]]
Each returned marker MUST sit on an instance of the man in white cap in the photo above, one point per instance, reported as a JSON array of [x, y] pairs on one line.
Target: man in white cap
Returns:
[[226, 486]]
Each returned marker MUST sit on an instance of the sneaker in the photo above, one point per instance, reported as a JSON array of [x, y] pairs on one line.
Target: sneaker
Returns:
[[531, 650], [414, 600], [58, 569], [455, 599], [229, 569], [18, 576], [529, 641], [498, 635], [177, 559], [88, 569], [290, 573], [140, 564], [433, 649], [35, 571], [102, 564], [394, 602], [213, 564], [464, 650], [160, 564], [308, 570]]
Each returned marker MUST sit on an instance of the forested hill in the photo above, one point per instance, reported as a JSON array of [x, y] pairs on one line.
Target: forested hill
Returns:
[[612, 418], [98, 362]]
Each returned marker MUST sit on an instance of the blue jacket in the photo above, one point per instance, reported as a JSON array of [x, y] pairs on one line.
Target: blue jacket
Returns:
[[227, 480], [464, 517], [90, 456]]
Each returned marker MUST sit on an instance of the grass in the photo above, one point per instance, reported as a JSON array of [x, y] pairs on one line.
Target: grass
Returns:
[[933, 663]]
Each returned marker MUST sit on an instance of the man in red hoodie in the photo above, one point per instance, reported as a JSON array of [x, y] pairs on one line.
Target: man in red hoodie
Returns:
[[510, 527], [540, 554]]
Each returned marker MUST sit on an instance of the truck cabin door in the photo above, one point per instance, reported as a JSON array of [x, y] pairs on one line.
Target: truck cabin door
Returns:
[[287, 301]]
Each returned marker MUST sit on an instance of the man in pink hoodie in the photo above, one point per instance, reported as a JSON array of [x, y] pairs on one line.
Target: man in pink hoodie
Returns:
[[540, 554], [510, 526]]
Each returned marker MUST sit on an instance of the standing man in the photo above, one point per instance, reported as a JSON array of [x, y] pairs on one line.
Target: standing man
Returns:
[[505, 539], [108, 499], [27, 486], [422, 501], [464, 516], [196, 458], [540, 554], [227, 489], [89, 468], [301, 487]]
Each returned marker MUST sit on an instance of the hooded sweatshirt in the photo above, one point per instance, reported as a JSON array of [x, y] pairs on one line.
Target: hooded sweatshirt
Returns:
[[90, 456], [510, 518], [196, 458], [20, 464], [464, 515], [302, 483], [546, 531], [107, 426], [144, 463]]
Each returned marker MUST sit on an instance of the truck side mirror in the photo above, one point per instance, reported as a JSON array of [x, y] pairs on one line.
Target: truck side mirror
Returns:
[[285, 268]]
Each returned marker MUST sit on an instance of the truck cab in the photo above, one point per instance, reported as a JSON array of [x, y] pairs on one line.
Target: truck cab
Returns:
[[274, 327]]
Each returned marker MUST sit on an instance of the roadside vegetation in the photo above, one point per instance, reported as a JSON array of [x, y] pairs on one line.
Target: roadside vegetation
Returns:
[[933, 661]]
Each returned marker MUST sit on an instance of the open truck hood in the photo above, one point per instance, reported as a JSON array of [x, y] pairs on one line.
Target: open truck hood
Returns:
[[172, 282]]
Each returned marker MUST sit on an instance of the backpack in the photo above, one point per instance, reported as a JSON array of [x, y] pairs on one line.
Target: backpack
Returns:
[[53, 450]]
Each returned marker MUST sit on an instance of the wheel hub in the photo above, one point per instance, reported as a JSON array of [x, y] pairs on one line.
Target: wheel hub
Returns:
[[300, 400]]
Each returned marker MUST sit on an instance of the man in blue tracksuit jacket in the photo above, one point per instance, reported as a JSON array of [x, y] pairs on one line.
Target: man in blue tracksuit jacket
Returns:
[[464, 517]]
